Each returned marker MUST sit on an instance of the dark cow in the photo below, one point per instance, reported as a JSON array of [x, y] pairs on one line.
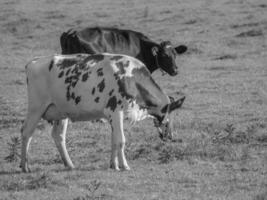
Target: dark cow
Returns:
[[88, 87], [112, 40]]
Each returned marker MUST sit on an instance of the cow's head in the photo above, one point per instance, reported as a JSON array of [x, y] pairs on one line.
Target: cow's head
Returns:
[[165, 55], [164, 122]]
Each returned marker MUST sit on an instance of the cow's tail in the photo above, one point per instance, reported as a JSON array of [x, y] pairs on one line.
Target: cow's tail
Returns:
[[27, 68], [30, 62]]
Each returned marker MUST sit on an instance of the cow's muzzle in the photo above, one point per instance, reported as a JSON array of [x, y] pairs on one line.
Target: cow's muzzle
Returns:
[[164, 131], [174, 73]]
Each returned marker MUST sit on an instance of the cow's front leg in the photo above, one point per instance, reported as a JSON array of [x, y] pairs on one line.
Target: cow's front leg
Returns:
[[118, 160]]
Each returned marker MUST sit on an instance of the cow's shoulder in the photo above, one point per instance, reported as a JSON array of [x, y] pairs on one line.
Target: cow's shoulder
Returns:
[[124, 65], [134, 80]]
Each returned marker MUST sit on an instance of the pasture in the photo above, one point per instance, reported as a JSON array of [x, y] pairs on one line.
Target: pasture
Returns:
[[220, 146]]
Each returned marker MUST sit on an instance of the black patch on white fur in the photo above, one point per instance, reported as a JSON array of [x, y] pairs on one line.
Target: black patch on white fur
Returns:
[[61, 74], [78, 69], [111, 92], [100, 72], [122, 65], [51, 65], [93, 91], [116, 76], [112, 103], [68, 93], [85, 77], [77, 99], [97, 99], [73, 96], [101, 85], [68, 71], [66, 63]]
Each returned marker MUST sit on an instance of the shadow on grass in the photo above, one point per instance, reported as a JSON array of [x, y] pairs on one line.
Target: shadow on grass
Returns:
[[10, 172]]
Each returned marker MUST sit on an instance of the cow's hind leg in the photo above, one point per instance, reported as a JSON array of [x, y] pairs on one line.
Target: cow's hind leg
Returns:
[[118, 160], [59, 135], [26, 135]]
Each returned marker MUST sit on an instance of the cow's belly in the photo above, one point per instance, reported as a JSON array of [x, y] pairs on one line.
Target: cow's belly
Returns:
[[55, 113]]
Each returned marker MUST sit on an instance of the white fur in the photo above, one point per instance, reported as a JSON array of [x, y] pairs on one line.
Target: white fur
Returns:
[[134, 113], [168, 46]]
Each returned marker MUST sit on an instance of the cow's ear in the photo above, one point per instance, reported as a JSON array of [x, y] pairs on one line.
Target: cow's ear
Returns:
[[177, 104], [181, 49], [154, 51]]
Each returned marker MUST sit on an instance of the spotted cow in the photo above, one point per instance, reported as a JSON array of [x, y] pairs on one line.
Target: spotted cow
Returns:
[[85, 87]]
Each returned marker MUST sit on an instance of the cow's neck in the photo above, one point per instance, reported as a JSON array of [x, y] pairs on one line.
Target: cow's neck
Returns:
[[152, 97], [148, 58]]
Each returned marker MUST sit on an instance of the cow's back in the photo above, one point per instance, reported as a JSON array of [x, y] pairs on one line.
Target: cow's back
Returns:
[[101, 40]]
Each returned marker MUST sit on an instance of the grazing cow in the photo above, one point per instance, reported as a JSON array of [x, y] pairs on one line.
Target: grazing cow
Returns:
[[102, 39], [85, 87]]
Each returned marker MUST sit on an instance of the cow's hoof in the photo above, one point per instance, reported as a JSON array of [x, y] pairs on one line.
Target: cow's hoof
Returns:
[[26, 169], [114, 167], [125, 168], [69, 168]]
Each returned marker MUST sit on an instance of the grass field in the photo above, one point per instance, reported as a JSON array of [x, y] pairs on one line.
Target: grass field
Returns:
[[220, 147]]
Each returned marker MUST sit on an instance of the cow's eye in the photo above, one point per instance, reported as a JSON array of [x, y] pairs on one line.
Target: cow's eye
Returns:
[[165, 55]]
